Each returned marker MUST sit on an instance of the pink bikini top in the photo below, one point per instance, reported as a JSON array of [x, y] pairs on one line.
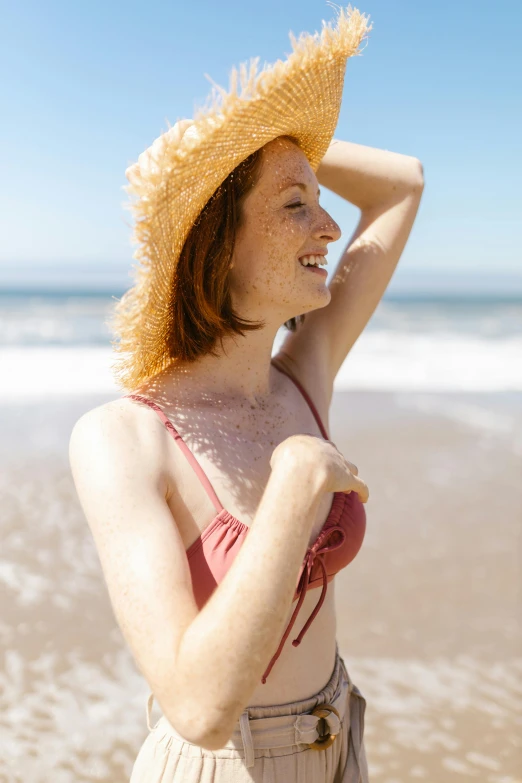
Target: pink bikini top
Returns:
[[214, 551]]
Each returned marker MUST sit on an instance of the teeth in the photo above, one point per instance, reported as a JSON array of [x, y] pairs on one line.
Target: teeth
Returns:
[[313, 261]]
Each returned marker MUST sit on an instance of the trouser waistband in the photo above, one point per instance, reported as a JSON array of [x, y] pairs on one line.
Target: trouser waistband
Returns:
[[306, 728], [283, 730]]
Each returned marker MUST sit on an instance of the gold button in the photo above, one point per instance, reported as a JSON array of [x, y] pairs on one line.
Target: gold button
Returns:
[[324, 741]]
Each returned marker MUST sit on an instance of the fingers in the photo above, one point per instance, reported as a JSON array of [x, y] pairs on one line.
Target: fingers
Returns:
[[353, 468], [361, 488]]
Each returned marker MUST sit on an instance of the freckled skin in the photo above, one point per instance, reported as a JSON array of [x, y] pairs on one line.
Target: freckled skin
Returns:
[[267, 281], [233, 411]]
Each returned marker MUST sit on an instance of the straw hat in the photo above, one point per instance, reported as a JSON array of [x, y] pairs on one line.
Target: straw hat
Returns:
[[175, 177]]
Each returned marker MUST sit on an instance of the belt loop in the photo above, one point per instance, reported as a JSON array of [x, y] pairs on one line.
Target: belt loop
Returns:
[[148, 710], [357, 761], [246, 736]]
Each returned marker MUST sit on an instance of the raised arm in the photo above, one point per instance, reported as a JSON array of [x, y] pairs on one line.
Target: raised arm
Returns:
[[387, 187]]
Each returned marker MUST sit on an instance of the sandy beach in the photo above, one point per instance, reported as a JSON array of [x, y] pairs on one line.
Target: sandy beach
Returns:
[[428, 613]]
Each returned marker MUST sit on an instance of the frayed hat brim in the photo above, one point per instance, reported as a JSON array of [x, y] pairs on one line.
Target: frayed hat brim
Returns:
[[175, 177]]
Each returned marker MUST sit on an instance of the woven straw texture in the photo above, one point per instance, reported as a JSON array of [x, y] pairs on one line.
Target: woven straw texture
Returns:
[[175, 177]]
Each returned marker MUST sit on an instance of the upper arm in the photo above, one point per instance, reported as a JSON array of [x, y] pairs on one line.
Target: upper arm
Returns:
[[116, 464]]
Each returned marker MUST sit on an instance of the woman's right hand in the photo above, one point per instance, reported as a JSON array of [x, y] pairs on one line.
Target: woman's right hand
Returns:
[[340, 475]]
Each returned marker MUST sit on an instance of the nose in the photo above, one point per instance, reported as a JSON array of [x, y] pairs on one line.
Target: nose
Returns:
[[326, 228]]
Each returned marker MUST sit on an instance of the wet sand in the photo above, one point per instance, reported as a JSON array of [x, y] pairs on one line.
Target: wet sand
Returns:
[[429, 613]]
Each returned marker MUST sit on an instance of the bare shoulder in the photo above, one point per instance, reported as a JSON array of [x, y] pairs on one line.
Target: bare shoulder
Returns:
[[118, 441], [111, 414]]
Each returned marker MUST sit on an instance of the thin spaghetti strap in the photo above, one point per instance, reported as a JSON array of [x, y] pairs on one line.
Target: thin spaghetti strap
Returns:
[[307, 398], [183, 446]]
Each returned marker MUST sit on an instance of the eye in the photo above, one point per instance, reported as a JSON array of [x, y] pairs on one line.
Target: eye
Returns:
[[291, 206]]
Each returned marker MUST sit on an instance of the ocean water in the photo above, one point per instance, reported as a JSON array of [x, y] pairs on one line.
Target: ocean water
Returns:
[[58, 342]]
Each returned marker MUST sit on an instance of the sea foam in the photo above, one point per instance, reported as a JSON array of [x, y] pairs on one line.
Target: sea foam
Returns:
[[379, 361]]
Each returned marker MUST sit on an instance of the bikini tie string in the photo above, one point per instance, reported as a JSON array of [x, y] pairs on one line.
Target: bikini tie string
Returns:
[[313, 553]]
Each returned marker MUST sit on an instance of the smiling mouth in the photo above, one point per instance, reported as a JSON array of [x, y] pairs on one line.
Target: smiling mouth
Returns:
[[314, 263], [313, 260]]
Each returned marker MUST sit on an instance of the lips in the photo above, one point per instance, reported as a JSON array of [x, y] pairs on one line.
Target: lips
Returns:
[[317, 251], [319, 270]]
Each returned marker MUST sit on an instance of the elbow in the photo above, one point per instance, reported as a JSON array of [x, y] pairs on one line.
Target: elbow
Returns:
[[204, 737], [419, 174], [199, 713], [214, 740], [198, 730]]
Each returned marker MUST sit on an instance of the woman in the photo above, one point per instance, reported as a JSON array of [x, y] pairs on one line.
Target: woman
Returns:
[[214, 495]]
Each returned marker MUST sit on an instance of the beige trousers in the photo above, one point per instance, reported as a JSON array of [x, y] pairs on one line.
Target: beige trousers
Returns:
[[284, 743]]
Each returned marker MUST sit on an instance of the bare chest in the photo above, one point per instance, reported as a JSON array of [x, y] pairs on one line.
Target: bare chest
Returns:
[[233, 448]]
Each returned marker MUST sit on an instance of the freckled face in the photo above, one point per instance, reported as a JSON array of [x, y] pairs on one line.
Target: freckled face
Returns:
[[280, 223]]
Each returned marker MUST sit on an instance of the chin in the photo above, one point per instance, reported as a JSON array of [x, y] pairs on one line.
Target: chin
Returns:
[[322, 297]]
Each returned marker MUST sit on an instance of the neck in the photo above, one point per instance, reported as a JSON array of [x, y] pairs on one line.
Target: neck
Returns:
[[240, 373]]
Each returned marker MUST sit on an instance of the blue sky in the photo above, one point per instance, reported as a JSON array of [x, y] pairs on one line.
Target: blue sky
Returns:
[[90, 85]]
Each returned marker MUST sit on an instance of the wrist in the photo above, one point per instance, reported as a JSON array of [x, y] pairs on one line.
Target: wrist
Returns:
[[299, 467]]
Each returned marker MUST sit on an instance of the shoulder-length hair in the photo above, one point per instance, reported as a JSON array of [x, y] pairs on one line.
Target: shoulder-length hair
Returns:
[[200, 299]]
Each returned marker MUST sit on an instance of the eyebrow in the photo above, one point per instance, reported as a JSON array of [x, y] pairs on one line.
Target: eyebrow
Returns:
[[299, 185]]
